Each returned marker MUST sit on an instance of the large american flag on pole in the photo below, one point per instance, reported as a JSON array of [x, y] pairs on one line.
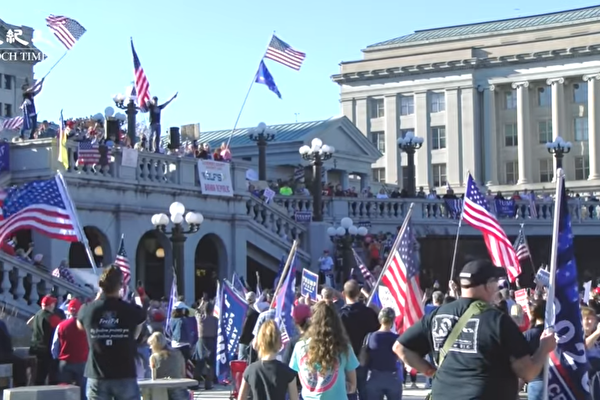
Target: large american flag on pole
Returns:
[[284, 54], [142, 86], [401, 277], [40, 205], [476, 212], [67, 30], [521, 246], [122, 262], [11, 124]]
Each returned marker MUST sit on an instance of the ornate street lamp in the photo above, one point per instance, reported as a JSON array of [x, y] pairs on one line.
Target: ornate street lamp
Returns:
[[409, 144], [113, 123], [178, 233], [262, 135], [317, 153], [127, 103], [558, 148], [344, 237]]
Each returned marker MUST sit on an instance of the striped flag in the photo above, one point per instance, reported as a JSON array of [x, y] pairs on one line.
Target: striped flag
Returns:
[[11, 124], [401, 277], [88, 153], [43, 206], [454, 207], [521, 246], [477, 213], [122, 262], [63, 272], [281, 52], [67, 30], [368, 277], [142, 86], [532, 205], [173, 299]]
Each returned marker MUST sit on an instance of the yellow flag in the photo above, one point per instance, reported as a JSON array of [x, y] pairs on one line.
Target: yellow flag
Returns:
[[63, 154]]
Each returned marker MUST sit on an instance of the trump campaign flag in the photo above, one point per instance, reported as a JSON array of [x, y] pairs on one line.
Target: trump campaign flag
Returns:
[[284, 302], [232, 310]]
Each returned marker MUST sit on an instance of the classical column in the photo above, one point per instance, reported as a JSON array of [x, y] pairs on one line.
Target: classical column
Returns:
[[490, 135], [558, 110], [424, 176], [453, 134], [362, 116], [523, 132], [391, 140], [593, 124], [471, 150]]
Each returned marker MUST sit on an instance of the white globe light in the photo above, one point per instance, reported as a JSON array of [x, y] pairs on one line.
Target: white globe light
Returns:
[[177, 208], [550, 145], [568, 145], [109, 112], [155, 219], [116, 98], [353, 230], [326, 149], [163, 219], [559, 139], [331, 231], [262, 126], [331, 149], [418, 140], [346, 222], [98, 117], [177, 218], [362, 231], [316, 142], [304, 150], [121, 117], [194, 218], [340, 231]]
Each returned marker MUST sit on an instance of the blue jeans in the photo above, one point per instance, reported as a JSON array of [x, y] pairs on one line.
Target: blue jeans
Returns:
[[384, 383], [155, 137], [113, 389], [69, 373], [535, 390], [361, 382]]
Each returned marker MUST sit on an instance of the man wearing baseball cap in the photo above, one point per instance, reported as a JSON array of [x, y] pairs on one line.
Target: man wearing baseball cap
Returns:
[[43, 324], [487, 356]]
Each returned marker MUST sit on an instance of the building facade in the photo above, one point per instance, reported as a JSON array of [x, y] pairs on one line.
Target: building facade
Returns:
[[486, 98]]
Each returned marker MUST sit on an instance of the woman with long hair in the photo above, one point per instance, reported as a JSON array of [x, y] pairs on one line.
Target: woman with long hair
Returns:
[[167, 363], [324, 359], [537, 315]]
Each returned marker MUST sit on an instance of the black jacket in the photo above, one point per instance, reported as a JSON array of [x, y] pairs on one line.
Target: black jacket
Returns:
[[359, 320]]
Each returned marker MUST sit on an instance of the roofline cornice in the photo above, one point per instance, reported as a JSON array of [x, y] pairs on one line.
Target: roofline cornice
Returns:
[[472, 63]]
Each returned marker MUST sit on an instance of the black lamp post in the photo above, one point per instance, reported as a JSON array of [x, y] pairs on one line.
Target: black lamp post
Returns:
[[344, 238], [177, 234], [317, 153], [131, 109], [559, 148], [262, 135], [409, 144]]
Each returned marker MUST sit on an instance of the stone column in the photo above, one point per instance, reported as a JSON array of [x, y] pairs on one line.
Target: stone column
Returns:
[[365, 181], [593, 124], [344, 179], [453, 138], [558, 110], [423, 156], [490, 135], [391, 139], [523, 132], [362, 116], [471, 155]]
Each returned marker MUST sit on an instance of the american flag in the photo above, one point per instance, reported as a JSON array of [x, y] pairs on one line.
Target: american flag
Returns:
[[284, 54], [88, 153], [532, 206], [521, 246], [454, 207], [67, 30], [368, 277], [11, 124], [63, 272], [477, 213], [401, 277], [40, 205], [142, 86], [122, 262]]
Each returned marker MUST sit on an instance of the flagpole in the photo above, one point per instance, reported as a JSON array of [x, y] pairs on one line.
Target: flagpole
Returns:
[[528, 250], [550, 316], [55, 64], [456, 245], [285, 270], [247, 95], [394, 246]]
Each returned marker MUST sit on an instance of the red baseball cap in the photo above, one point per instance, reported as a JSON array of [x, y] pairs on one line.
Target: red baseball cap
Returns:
[[301, 313], [48, 300], [74, 306]]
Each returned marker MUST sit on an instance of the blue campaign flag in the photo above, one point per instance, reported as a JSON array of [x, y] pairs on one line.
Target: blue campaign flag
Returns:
[[232, 310], [454, 207], [285, 303], [505, 208], [238, 285], [375, 298], [280, 270], [568, 372], [4, 157], [172, 300], [264, 77], [310, 284]]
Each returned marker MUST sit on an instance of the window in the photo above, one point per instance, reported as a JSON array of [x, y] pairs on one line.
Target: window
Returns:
[[438, 102], [511, 171], [439, 175], [438, 138], [545, 131], [404, 178], [378, 140], [407, 105], [582, 168], [510, 135], [8, 82], [544, 97], [8, 110], [377, 108], [510, 100], [546, 170], [379, 175], [581, 129], [580, 93]]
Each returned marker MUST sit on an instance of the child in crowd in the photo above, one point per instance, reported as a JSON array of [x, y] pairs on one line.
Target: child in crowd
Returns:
[[268, 378]]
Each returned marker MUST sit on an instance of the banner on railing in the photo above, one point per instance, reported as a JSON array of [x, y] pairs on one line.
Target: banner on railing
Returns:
[[130, 158], [505, 208], [303, 216], [365, 223], [215, 178]]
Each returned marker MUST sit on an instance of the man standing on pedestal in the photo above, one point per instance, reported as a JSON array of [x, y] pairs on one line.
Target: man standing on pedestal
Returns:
[[155, 109]]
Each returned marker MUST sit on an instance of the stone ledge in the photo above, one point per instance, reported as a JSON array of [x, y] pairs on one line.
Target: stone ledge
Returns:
[[62, 392]]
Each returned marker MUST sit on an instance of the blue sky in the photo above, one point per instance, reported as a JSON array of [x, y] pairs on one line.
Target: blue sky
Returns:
[[209, 51]]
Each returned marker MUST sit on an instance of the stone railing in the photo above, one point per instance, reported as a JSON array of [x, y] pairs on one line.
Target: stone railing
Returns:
[[22, 285]]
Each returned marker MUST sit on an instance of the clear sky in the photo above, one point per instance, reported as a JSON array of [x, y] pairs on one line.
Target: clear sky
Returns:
[[209, 51]]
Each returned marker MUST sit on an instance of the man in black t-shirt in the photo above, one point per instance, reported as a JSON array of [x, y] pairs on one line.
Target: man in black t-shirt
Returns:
[[490, 352], [155, 109], [112, 326]]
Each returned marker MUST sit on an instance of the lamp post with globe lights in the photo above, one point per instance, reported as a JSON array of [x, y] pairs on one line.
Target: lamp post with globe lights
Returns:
[[344, 237], [262, 135], [113, 123], [409, 144], [127, 103], [178, 233], [558, 148], [317, 153]]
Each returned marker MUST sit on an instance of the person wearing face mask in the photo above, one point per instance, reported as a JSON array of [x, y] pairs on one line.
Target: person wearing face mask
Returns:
[[473, 343]]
